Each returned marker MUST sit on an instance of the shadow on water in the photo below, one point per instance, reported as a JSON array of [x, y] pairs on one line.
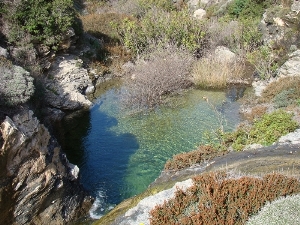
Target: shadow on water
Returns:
[[101, 154]]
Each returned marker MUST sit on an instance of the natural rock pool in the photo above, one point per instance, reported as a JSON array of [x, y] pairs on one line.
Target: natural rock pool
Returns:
[[119, 154]]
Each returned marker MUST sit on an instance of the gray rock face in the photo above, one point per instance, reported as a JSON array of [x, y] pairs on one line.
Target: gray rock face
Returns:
[[292, 66], [140, 213], [36, 186], [67, 83]]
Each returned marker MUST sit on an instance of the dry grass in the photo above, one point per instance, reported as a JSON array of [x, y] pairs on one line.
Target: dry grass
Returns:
[[255, 113], [184, 160], [100, 25], [280, 85], [216, 73], [219, 198]]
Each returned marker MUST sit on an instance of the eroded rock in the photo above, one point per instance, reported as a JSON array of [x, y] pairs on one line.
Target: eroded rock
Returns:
[[36, 184], [66, 84]]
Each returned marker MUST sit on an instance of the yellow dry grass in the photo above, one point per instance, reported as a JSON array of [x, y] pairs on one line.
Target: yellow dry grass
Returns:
[[212, 72]]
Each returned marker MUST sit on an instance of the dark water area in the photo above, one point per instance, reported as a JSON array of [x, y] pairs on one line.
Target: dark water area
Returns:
[[119, 153]]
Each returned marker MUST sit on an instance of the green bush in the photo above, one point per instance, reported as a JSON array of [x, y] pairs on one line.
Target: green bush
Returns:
[[283, 99], [161, 28], [264, 62], [45, 21], [266, 130], [248, 9]]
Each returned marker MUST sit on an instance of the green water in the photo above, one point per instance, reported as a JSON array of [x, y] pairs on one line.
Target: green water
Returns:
[[120, 154]]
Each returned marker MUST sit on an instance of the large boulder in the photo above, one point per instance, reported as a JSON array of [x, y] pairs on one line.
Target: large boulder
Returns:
[[37, 184], [292, 66], [223, 54], [66, 84]]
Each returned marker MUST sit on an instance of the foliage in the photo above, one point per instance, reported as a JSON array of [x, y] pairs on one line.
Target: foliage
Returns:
[[187, 159], [161, 28], [282, 92], [45, 21], [217, 198], [283, 99], [248, 9], [264, 62], [284, 210], [16, 84], [266, 130], [164, 72]]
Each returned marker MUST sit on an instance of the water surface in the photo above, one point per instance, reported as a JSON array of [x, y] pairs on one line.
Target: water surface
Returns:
[[120, 153]]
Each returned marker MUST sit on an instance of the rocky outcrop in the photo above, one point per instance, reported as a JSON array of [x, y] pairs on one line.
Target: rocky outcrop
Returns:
[[67, 84], [292, 66], [37, 185]]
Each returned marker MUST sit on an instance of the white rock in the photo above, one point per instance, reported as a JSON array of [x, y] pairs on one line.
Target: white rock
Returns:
[[292, 66], [224, 54], [291, 138], [3, 52], [199, 14], [74, 171], [140, 213]]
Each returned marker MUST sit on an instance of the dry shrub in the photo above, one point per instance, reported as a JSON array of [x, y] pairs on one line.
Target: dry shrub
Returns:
[[218, 198], [255, 112], [164, 72], [286, 83], [224, 34], [184, 160], [217, 73], [100, 25]]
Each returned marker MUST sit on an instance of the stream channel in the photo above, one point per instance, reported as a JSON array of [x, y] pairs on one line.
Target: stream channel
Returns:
[[119, 153]]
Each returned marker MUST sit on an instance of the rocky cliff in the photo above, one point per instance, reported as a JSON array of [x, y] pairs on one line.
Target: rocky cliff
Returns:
[[37, 183]]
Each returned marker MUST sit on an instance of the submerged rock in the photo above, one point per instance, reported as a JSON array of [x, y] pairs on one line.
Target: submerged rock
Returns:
[[37, 186]]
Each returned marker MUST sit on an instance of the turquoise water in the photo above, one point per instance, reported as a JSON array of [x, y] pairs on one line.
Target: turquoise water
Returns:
[[120, 154]]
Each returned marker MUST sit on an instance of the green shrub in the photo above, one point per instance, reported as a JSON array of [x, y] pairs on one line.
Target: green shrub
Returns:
[[248, 9], [271, 127], [161, 28], [45, 21], [219, 198], [283, 99], [263, 60], [266, 130]]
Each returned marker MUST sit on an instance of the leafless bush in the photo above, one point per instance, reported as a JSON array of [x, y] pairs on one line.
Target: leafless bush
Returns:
[[157, 75], [224, 34]]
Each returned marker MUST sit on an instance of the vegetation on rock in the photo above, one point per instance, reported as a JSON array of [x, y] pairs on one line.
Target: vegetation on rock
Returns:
[[219, 198], [16, 84]]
